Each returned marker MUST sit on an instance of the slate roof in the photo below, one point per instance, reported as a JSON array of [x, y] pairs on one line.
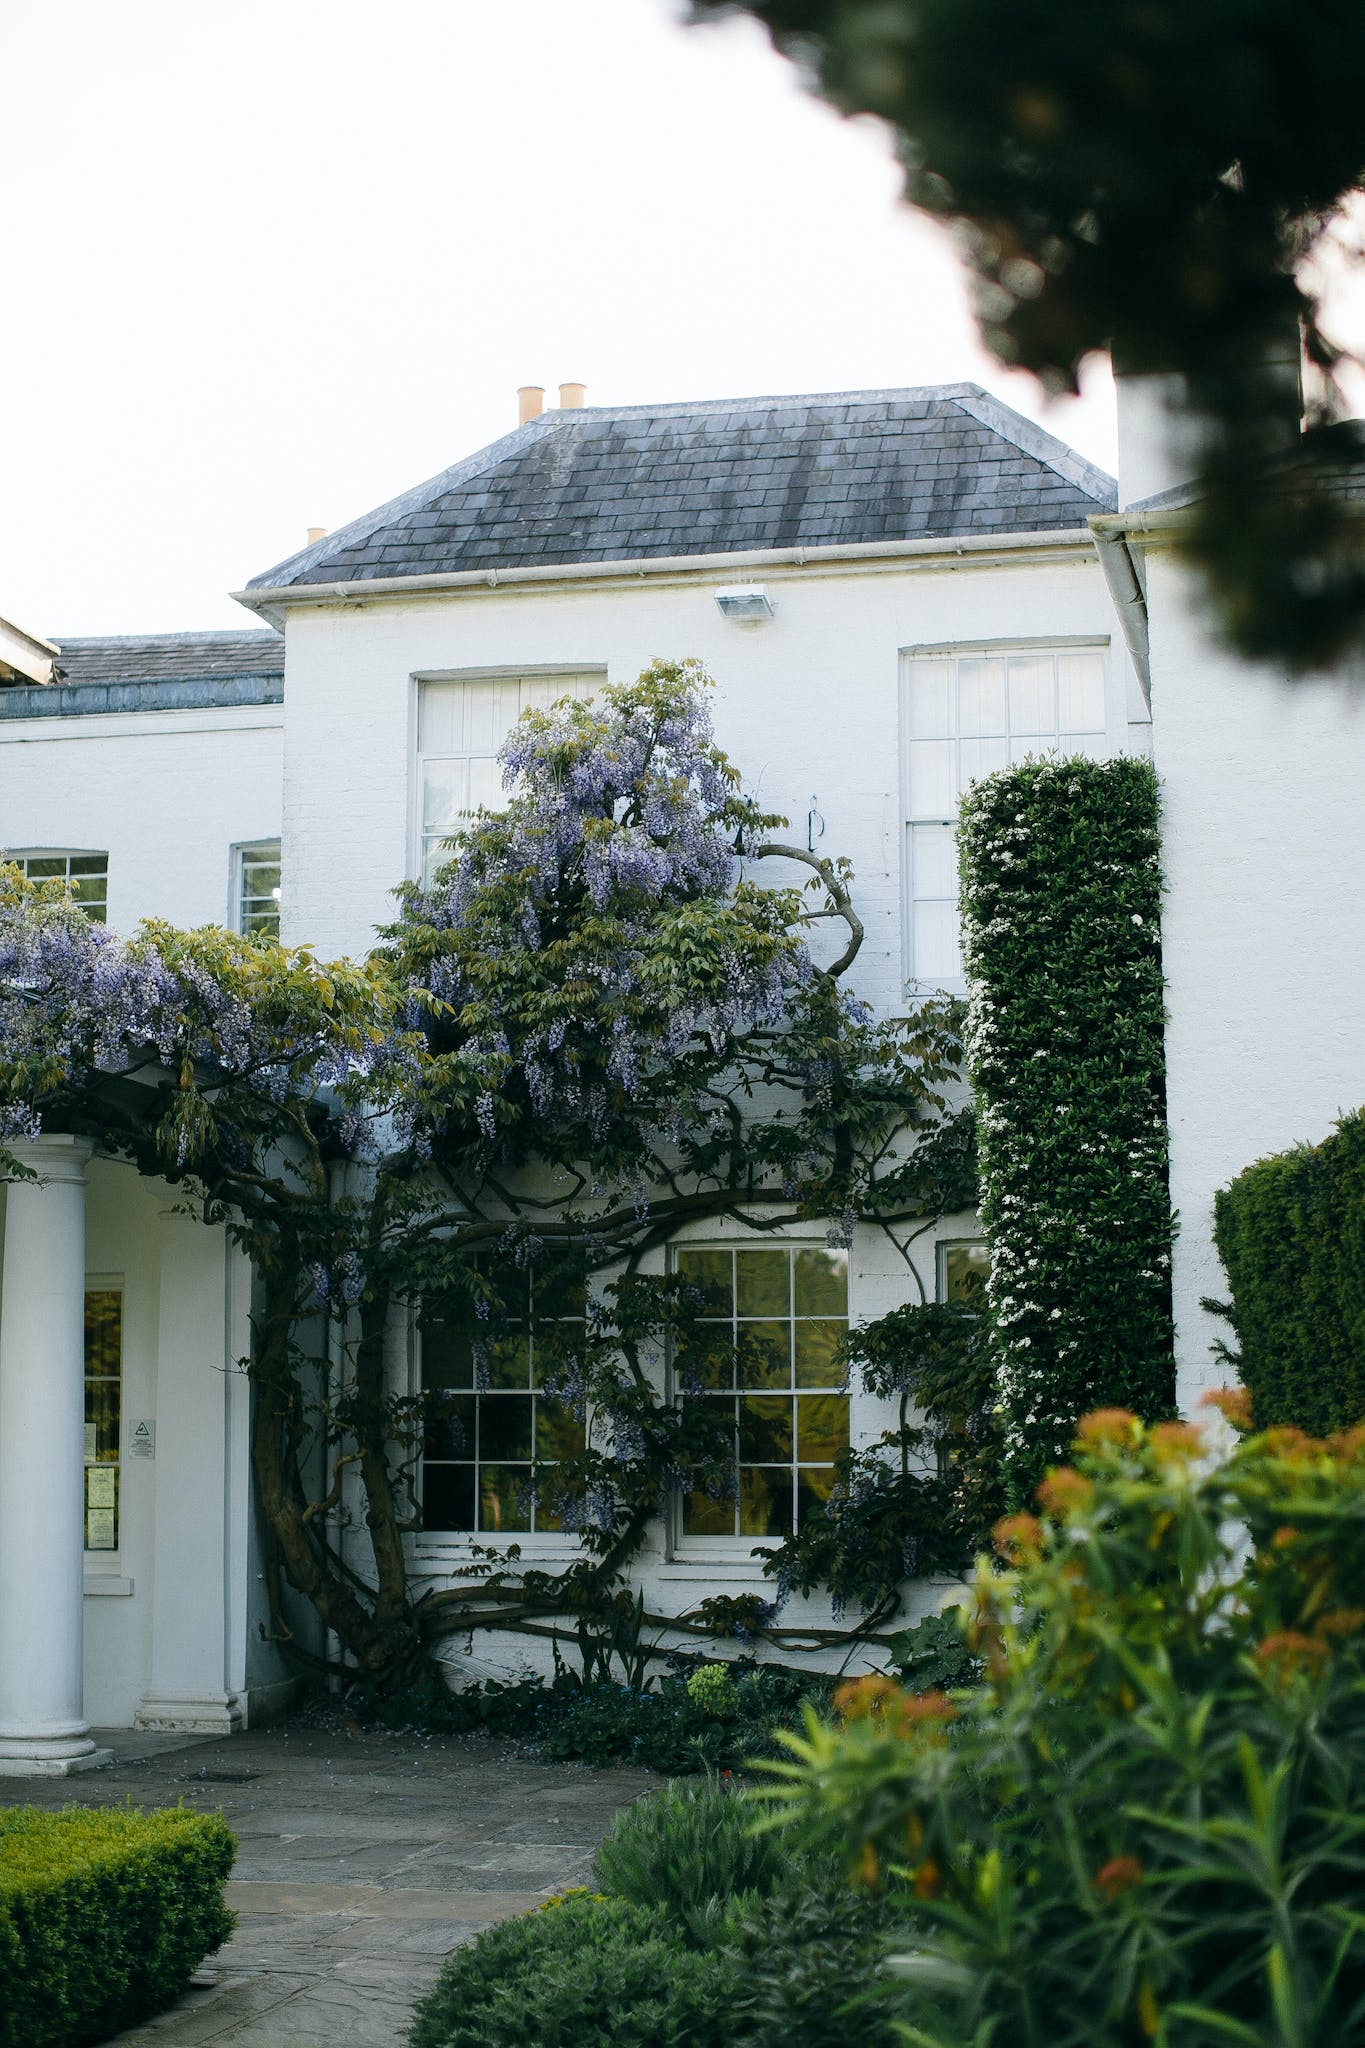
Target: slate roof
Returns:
[[612, 484], [154, 672]]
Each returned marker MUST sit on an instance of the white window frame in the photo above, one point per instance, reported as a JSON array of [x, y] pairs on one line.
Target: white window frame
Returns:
[[942, 1249], [101, 1559], [689, 1548], [582, 679], [22, 855], [1017, 746], [244, 850], [534, 1542]]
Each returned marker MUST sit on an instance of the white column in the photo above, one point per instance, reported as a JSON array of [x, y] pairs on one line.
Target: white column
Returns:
[[43, 1731], [188, 1688]]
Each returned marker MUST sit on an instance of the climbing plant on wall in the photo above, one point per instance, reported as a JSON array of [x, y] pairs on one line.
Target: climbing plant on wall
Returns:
[[1061, 898], [601, 1023]]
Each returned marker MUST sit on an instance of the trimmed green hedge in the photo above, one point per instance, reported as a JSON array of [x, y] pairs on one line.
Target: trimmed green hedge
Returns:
[[1061, 903], [1291, 1234], [104, 1916]]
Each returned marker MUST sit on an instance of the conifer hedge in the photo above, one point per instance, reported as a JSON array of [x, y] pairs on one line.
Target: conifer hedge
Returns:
[[1291, 1234], [1061, 898]]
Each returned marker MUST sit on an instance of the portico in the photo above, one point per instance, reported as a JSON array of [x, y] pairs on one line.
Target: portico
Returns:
[[43, 1730], [130, 1590]]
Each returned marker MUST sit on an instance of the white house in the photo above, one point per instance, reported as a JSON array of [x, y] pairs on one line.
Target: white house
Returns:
[[932, 586]]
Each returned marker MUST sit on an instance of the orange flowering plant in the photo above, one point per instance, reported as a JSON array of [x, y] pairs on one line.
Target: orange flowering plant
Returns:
[[1145, 1823]]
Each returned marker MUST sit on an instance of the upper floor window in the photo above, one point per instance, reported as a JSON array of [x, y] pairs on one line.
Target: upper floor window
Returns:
[[963, 715], [86, 875], [256, 894], [460, 726], [776, 1317]]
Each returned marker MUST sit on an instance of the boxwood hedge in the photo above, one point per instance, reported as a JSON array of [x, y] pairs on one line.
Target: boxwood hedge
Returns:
[[1291, 1234], [1061, 899], [104, 1916]]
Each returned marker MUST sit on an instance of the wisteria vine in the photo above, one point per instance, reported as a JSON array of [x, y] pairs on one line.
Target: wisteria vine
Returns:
[[594, 1027]]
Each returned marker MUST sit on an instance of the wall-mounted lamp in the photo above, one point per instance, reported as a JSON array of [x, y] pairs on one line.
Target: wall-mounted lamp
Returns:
[[744, 601]]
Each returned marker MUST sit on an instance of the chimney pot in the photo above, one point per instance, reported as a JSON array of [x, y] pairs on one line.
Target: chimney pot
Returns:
[[571, 396], [316, 533], [530, 402]]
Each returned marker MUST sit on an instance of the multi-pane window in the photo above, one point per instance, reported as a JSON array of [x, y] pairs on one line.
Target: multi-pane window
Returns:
[[964, 715], [963, 1270], [258, 889], [489, 1418], [769, 1353], [86, 875], [460, 727], [103, 1407]]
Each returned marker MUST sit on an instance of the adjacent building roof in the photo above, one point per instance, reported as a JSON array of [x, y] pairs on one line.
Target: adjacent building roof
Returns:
[[154, 672], [625, 483]]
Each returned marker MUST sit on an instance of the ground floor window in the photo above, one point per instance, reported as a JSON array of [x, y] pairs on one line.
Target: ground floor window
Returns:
[[963, 1270], [490, 1422], [103, 1414], [770, 1355]]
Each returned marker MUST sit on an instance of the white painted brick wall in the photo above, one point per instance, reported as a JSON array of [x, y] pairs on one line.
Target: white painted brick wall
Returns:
[[164, 794], [806, 707], [1263, 933]]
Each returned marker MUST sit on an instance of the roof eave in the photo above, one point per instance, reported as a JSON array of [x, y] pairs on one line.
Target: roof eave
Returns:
[[274, 604]]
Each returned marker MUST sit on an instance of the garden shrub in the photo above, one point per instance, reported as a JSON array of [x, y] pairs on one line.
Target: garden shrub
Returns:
[[1145, 1824], [104, 1916], [591, 1975], [1061, 891], [934, 1655], [686, 1846], [716, 1937], [668, 1727], [803, 1961], [1291, 1234]]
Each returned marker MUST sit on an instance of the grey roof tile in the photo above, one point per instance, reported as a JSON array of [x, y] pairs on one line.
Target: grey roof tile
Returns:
[[173, 657], [154, 672], [624, 484]]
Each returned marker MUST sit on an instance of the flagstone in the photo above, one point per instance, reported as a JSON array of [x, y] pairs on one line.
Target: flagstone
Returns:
[[362, 1862]]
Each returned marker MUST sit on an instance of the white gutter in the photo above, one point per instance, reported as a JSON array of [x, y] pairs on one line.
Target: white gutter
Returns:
[[1115, 534], [848, 559], [1130, 603], [1159, 522]]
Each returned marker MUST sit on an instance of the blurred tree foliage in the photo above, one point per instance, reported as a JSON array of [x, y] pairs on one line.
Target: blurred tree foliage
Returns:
[[1152, 177]]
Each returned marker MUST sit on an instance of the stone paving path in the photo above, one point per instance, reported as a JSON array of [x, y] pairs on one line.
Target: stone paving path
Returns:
[[362, 1862]]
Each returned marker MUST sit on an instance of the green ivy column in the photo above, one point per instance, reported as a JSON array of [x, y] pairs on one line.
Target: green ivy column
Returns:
[[1061, 890]]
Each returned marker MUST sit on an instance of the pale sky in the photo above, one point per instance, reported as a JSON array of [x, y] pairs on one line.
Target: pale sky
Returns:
[[269, 263]]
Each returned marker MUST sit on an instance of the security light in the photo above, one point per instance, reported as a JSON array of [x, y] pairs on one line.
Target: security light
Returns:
[[744, 601]]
